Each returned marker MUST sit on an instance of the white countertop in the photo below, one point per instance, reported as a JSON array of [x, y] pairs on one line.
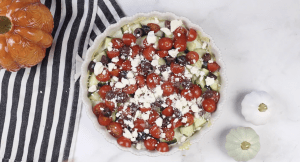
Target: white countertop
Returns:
[[260, 44]]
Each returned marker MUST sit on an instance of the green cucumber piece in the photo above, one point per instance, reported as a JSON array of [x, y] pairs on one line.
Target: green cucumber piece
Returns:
[[161, 61], [205, 71], [95, 97], [107, 40], [159, 33], [98, 57], [118, 34], [177, 134], [149, 20], [200, 51], [200, 82], [161, 24], [194, 79], [173, 141], [198, 64], [198, 122], [134, 26], [113, 116], [93, 80], [191, 46], [187, 131], [139, 41], [215, 85]]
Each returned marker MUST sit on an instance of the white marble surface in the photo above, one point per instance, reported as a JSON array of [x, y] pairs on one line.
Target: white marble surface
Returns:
[[260, 44]]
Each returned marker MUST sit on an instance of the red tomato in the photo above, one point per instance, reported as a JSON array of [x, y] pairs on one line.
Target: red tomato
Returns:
[[186, 93], [130, 89], [216, 96], [117, 43], [110, 105], [181, 44], [192, 35], [144, 109], [96, 108], [167, 88], [115, 129], [180, 32], [173, 78], [153, 116], [123, 141], [176, 124], [169, 134], [162, 53], [105, 121], [192, 57], [196, 91], [140, 80], [145, 43], [150, 143], [213, 67], [119, 63], [149, 52], [176, 68], [104, 76], [153, 80], [165, 43], [113, 53], [155, 131], [190, 119], [102, 91], [168, 102], [153, 27], [209, 105], [135, 50], [162, 147], [115, 72], [168, 111], [139, 124], [128, 39], [126, 65]]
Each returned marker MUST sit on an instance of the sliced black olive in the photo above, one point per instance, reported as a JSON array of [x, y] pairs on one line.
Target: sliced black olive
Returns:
[[138, 32], [91, 66]]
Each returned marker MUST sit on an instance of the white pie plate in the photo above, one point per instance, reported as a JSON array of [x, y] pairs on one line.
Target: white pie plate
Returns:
[[111, 29]]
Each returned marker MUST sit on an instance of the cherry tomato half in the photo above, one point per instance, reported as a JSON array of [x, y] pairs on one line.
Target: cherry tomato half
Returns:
[[144, 109], [123, 141], [165, 43], [117, 43], [140, 80], [196, 91], [139, 124], [103, 120], [176, 68], [212, 67], [128, 39], [102, 91], [192, 35], [130, 89], [169, 134], [180, 43], [153, 116], [155, 131], [153, 27], [209, 105], [149, 52], [150, 144], [153, 80], [162, 53], [192, 57], [110, 105], [167, 88], [168, 111], [115, 129], [135, 50], [190, 119], [113, 53], [104, 76], [162, 147], [180, 32], [186, 93], [96, 108]]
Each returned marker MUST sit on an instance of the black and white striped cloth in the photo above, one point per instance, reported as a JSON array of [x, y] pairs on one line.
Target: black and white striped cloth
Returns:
[[40, 106]]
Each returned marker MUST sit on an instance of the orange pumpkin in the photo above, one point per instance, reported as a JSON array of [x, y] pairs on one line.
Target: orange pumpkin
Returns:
[[25, 33]]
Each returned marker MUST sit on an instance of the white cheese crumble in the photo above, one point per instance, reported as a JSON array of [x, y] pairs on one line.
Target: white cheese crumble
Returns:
[[146, 131], [204, 45], [151, 38], [119, 85], [154, 63], [132, 81], [158, 122], [109, 46], [210, 61], [183, 138], [175, 24], [209, 81], [165, 75], [93, 88], [125, 81], [130, 75], [145, 116], [184, 120], [166, 31], [158, 91], [169, 125], [98, 68], [163, 135], [115, 59], [111, 66], [195, 108], [115, 79], [173, 52], [138, 146], [127, 133]]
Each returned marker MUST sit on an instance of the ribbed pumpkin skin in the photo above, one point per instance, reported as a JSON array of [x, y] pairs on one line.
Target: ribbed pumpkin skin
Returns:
[[25, 44]]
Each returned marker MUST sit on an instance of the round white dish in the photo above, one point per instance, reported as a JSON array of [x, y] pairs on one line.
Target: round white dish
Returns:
[[111, 29]]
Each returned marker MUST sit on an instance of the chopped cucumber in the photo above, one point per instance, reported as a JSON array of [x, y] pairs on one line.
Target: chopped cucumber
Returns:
[[198, 122], [198, 64], [177, 134], [169, 142], [118, 34], [161, 61], [93, 80], [215, 85], [159, 33], [107, 41], [194, 79], [205, 71], [191, 46], [187, 131], [180, 54], [161, 24], [200, 51], [201, 82], [139, 41], [113, 116], [98, 57], [149, 20], [95, 97]]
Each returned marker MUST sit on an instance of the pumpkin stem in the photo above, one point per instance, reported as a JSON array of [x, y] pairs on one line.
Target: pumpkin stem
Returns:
[[262, 107], [5, 24], [245, 145]]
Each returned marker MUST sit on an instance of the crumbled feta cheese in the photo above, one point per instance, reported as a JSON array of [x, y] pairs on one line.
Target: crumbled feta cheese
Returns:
[[132, 81], [204, 45], [109, 46], [114, 78], [195, 108], [147, 104], [158, 122], [157, 71], [137, 114], [164, 105], [111, 66], [115, 59], [127, 133], [183, 138], [158, 91], [177, 79], [151, 38], [185, 110], [184, 120], [175, 24], [178, 34], [145, 116], [129, 123], [210, 61], [93, 88], [166, 31], [173, 52], [98, 68], [163, 135], [178, 105], [130, 75], [119, 85], [175, 120], [165, 75], [154, 63], [146, 131], [134, 133], [194, 70], [125, 81], [169, 125], [156, 20], [138, 146], [209, 81]]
